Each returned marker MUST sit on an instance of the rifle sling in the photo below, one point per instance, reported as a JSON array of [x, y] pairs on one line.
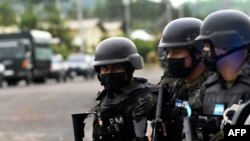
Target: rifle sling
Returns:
[[126, 102]]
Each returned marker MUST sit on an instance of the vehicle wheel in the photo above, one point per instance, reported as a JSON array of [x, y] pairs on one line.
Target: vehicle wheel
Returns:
[[28, 79], [92, 75], [40, 80], [72, 75], [43, 80], [59, 78], [1, 81], [12, 82], [85, 77], [64, 77]]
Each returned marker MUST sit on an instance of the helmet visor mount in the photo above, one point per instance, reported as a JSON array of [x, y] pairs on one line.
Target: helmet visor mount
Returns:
[[162, 51]]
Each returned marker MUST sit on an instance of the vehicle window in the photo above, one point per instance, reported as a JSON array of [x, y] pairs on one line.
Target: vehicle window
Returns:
[[76, 58], [43, 53], [11, 49], [56, 59]]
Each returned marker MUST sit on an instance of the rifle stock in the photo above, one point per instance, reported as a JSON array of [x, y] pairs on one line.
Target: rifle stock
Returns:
[[78, 125]]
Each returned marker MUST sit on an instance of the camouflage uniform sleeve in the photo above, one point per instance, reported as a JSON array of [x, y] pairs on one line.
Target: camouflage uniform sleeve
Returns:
[[143, 106]]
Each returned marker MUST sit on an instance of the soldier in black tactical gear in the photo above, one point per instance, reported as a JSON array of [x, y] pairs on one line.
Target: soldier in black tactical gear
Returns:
[[126, 101], [226, 37], [185, 74]]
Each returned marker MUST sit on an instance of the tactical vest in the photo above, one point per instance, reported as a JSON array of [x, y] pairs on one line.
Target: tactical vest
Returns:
[[216, 98], [115, 123], [179, 95], [216, 94]]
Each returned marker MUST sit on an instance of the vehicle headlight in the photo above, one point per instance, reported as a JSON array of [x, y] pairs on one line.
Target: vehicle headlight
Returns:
[[84, 66], [2, 68]]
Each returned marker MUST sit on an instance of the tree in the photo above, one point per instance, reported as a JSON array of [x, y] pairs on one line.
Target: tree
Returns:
[[110, 10], [56, 25], [29, 20], [7, 14]]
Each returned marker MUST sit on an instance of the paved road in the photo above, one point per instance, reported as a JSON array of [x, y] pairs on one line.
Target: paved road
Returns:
[[43, 112]]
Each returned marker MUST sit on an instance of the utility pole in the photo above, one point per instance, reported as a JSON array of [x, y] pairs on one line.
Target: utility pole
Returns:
[[80, 19], [168, 11], [181, 11], [126, 4], [59, 7]]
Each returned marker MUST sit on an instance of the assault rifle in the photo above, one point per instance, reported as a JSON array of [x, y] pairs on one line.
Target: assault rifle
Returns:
[[158, 131], [157, 122], [78, 125]]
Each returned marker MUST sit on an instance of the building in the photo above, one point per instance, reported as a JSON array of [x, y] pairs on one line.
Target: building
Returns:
[[93, 31]]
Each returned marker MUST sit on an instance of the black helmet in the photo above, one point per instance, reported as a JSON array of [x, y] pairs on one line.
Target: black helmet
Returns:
[[226, 29], [180, 33], [117, 50]]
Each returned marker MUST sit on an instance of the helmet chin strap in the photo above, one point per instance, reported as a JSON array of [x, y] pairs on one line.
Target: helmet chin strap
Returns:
[[219, 57], [229, 52], [195, 61], [214, 58]]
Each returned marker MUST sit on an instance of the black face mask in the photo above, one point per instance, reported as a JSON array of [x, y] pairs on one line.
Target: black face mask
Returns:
[[114, 81], [176, 67]]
